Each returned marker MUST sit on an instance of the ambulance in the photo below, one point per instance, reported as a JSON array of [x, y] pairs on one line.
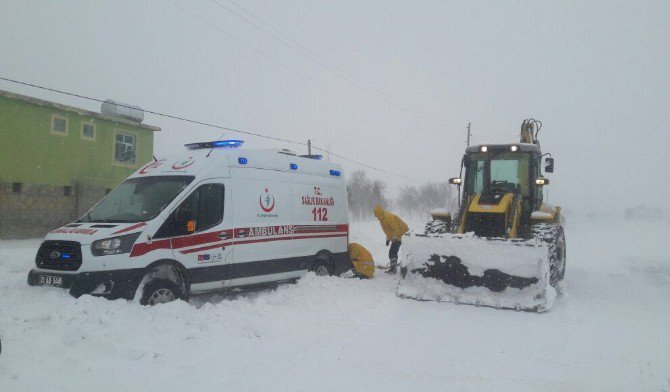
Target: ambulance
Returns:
[[216, 217]]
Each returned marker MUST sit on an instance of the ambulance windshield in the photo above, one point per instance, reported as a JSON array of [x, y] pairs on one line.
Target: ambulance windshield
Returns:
[[138, 199]]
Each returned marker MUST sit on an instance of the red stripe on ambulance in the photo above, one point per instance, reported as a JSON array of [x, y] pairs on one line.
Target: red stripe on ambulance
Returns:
[[242, 236], [133, 227]]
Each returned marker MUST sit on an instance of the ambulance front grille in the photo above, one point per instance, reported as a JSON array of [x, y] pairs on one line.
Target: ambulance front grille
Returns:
[[59, 255]]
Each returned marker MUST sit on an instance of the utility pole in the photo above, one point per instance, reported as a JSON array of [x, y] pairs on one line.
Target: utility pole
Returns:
[[309, 147], [468, 135]]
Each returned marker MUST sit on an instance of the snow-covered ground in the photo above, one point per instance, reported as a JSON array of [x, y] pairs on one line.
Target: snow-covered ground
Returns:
[[608, 332]]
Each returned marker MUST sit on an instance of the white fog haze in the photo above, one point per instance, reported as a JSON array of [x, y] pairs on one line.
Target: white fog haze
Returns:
[[129, 263], [595, 73]]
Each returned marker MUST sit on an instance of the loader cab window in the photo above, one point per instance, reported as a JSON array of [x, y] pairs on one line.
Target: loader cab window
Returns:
[[498, 173], [478, 176], [505, 171]]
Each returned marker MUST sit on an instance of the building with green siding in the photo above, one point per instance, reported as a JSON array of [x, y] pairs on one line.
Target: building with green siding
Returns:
[[57, 161]]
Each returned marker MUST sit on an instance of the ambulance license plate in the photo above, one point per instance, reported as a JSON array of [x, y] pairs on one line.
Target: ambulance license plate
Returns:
[[51, 280]]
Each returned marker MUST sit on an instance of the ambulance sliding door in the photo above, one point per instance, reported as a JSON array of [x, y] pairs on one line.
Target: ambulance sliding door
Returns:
[[263, 227]]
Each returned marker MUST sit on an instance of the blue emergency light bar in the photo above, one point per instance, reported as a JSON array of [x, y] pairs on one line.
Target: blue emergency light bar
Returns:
[[215, 144]]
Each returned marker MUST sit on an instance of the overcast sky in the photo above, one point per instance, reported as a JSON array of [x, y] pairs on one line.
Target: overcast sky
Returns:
[[401, 82]]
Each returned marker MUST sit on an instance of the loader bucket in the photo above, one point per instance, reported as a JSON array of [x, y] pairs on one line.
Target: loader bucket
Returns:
[[464, 269]]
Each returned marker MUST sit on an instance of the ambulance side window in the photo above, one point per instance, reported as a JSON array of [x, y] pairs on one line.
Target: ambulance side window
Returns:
[[204, 205], [210, 211]]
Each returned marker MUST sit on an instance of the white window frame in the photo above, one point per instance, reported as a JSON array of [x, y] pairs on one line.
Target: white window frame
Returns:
[[125, 133], [53, 123], [81, 131]]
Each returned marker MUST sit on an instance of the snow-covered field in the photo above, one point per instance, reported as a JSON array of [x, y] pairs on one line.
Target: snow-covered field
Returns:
[[608, 332]]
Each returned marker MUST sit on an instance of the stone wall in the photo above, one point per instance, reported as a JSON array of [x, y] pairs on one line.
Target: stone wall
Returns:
[[37, 209]]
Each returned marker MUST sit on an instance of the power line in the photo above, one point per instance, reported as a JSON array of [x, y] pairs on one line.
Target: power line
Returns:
[[208, 124], [334, 68], [155, 112], [290, 69], [316, 58], [366, 165]]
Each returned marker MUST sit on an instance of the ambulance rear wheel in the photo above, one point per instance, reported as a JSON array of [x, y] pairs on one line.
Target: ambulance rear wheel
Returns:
[[159, 291], [322, 268]]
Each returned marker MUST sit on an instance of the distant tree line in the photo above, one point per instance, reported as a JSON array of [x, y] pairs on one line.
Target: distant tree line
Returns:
[[412, 201], [644, 213], [418, 201], [364, 194]]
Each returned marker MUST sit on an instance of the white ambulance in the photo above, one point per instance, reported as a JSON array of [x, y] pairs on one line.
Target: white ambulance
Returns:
[[216, 217]]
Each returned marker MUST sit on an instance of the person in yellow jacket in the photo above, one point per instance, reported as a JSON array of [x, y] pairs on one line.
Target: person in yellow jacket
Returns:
[[394, 228], [362, 259]]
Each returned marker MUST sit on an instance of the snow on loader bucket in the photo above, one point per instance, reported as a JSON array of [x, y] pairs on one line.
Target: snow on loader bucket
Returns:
[[465, 269]]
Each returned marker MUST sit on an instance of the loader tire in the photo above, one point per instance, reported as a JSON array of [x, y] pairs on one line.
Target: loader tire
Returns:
[[561, 248], [554, 236], [437, 226]]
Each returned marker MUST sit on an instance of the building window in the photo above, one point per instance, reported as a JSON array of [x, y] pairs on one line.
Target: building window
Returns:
[[59, 125], [125, 148], [16, 187], [87, 131], [67, 191]]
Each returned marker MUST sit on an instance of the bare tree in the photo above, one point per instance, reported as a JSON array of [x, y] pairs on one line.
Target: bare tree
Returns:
[[420, 201], [408, 200], [364, 194]]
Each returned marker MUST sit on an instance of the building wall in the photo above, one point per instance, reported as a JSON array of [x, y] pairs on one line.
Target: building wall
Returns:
[[38, 209], [32, 154], [45, 164]]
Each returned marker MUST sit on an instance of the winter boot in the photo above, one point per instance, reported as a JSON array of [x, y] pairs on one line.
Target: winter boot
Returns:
[[392, 267]]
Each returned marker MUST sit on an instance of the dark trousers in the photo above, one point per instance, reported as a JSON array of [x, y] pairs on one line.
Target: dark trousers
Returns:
[[393, 254]]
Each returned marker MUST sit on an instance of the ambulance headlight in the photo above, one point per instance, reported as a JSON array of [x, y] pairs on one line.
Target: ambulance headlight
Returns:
[[114, 245]]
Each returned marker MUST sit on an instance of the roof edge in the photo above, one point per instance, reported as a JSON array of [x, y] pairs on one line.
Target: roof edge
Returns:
[[523, 147], [42, 102]]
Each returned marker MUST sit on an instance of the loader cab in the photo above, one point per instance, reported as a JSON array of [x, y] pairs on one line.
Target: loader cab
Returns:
[[495, 177]]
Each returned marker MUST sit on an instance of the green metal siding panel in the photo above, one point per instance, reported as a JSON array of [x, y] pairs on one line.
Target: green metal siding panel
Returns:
[[30, 153]]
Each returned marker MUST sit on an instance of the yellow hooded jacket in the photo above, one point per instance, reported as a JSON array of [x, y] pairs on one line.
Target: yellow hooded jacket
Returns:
[[362, 260], [393, 227]]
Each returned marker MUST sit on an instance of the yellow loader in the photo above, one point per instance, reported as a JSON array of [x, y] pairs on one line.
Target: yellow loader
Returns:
[[506, 247]]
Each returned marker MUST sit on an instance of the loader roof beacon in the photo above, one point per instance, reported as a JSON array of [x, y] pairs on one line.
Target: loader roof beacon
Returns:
[[506, 246]]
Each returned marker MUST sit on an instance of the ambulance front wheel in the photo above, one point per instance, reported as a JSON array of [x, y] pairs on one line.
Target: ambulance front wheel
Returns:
[[159, 291]]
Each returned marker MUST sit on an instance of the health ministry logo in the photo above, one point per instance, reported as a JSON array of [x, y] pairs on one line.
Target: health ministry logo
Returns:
[[267, 200]]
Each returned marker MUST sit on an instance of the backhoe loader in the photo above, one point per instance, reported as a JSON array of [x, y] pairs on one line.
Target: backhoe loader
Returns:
[[506, 247]]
